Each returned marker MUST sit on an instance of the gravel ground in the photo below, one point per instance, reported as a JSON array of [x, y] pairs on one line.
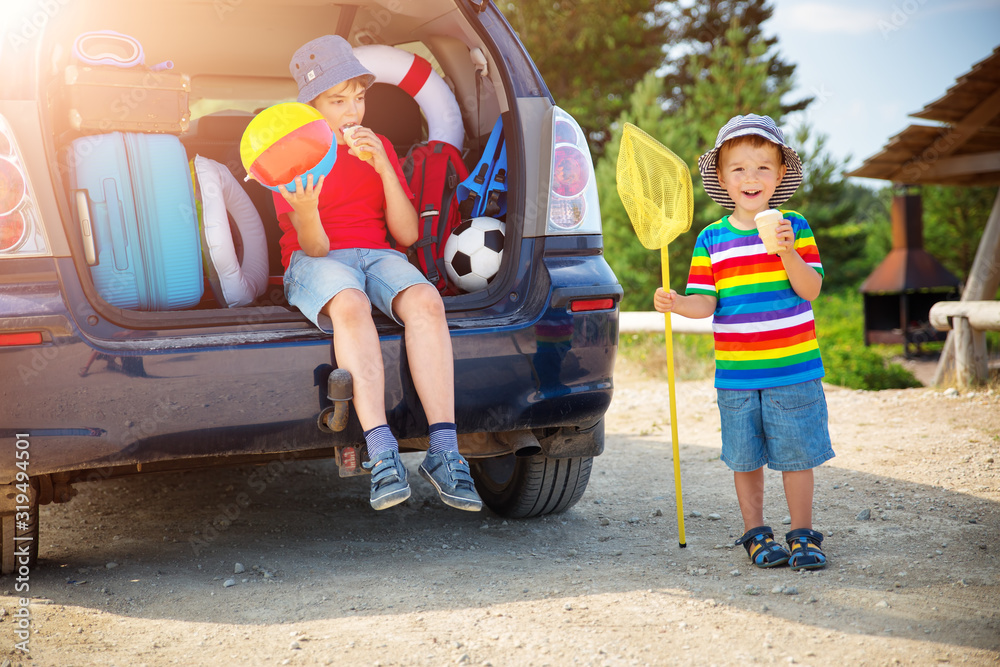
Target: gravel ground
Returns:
[[287, 564]]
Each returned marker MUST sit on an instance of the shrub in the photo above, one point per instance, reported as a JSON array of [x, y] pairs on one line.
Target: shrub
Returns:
[[848, 362], [860, 367]]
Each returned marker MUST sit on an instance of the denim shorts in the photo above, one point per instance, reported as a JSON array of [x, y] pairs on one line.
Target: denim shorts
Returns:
[[783, 427], [310, 282]]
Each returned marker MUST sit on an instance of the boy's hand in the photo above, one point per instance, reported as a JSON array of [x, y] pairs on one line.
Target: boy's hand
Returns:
[[364, 140], [804, 279], [306, 195], [664, 301], [785, 236]]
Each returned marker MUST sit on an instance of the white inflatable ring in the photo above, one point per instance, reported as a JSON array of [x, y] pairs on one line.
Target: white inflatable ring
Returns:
[[218, 192], [415, 76]]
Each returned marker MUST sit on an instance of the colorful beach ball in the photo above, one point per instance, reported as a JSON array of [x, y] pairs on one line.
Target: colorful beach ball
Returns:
[[286, 141]]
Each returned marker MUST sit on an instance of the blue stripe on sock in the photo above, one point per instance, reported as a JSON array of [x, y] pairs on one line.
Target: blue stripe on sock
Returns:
[[444, 438], [380, 440]]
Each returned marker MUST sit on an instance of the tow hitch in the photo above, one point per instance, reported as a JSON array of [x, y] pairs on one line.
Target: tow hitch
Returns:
[[340, 390]]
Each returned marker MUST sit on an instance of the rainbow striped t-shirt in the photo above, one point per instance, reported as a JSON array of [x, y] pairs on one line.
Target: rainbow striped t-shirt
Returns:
[[764, 332]]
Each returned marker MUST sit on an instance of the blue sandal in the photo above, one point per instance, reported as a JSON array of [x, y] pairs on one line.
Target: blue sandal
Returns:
[[761, 547], [806, 553]]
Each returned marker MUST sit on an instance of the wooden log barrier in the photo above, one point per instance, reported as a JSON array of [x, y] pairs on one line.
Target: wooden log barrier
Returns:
[[984, 280], [969, 320]]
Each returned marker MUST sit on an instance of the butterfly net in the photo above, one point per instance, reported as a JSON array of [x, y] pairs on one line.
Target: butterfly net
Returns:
[[655, 188]]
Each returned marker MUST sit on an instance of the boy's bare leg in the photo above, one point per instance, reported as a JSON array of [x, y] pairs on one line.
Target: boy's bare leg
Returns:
[[432, 367], [799, 494], [428, 348], [750, 494], [356, 345]]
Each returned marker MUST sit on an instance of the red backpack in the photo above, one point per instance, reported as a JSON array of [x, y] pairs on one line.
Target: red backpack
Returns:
[[433, 171]]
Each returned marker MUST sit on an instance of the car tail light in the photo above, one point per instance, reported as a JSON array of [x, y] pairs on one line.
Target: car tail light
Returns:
[[21, 338], [587, 305], [21, 233], [573, 203]]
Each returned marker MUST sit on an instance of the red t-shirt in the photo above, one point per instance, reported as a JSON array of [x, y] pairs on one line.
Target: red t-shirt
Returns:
[[351, 205]]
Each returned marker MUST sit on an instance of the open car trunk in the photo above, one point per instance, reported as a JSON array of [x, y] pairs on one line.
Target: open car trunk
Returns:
[[235, 58]]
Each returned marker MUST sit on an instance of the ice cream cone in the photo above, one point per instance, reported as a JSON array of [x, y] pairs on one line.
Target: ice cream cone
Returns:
[[767, 225], [348, 131]]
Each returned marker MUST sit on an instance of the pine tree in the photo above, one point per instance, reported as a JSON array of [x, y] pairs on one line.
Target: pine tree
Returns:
[[702, 25], [592, 53]]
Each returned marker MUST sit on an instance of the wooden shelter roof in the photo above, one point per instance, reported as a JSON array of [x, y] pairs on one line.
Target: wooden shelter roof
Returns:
[[963, 151]]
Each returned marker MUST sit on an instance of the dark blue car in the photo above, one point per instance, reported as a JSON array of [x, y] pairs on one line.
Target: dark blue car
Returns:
[[95, 387]]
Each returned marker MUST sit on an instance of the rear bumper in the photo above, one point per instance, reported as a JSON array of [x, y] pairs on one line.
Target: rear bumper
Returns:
[[141, 397]]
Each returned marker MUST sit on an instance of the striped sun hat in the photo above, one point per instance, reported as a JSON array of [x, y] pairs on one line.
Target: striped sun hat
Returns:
[[739, 126]]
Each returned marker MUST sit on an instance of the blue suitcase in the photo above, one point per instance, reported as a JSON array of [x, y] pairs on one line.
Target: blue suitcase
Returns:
[[135, 205]]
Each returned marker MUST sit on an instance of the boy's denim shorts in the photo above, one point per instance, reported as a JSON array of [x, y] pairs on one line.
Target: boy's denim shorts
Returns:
[[310, 282], [783, 427]]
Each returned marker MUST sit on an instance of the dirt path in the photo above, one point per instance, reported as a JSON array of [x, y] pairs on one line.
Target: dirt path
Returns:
[[134, 572]]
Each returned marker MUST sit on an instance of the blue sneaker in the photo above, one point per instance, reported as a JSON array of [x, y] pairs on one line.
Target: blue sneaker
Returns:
[[449, 473], [389, 485]]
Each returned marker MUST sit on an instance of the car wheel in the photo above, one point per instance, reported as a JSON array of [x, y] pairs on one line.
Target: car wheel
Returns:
[[18, 537], [521, 487]]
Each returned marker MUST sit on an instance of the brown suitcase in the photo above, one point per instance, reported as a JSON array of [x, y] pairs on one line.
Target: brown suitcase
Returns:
[[135, 99]]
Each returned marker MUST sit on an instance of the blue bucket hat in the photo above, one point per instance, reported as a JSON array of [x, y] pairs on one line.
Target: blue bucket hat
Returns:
[[324, 63], [762, 126]]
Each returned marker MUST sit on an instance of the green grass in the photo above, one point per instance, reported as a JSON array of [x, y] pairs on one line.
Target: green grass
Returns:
[[694, 354]]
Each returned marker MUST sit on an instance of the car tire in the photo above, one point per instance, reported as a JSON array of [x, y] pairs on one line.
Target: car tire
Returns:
[[529, 486], [13, 538]]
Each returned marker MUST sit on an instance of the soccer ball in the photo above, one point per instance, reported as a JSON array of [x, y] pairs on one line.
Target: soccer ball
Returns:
[[473, 253]]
